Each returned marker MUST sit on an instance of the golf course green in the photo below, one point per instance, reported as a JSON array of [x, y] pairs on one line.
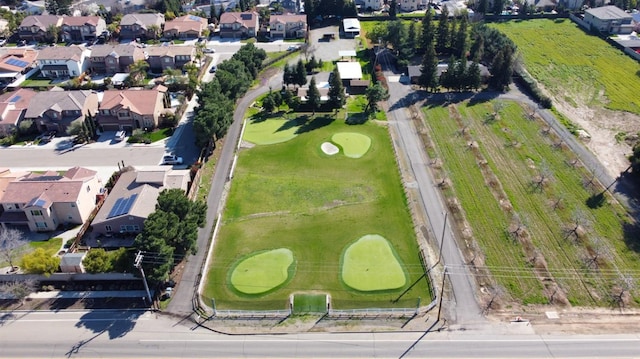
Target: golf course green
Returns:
[[263, 271], [268, 132], [370, 264], [354, 145]]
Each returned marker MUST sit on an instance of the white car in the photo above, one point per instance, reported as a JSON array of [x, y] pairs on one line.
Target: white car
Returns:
[[208, 50], [171, 160]]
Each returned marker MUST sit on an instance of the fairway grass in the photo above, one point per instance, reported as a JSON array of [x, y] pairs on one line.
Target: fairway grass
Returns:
[[369, 264], [575, 66], [309, 303], [354, 145], [292, 195], [268, 132], [515, 150], [262, 272]]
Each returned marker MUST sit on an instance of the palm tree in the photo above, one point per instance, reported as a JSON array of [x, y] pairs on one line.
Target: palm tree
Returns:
[[137, 72], [154, 30]]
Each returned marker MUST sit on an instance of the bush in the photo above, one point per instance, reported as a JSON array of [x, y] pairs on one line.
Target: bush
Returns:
[[39, 262], [531, 87]]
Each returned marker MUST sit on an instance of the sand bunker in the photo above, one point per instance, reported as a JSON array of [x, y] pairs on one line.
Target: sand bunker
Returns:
[[329, 148]]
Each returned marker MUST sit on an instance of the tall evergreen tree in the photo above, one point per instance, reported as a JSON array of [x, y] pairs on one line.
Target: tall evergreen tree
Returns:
[[411, 39], [313, 95], [483, 7], [337, 98], [442, 44], [301, 74], [501, 69], [428, 32], [428, 76], [477, 48], [472, 76], [393, 9], [461, 43], [498, 6]]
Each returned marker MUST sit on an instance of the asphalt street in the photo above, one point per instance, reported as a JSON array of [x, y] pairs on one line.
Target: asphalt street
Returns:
[[116, 334]]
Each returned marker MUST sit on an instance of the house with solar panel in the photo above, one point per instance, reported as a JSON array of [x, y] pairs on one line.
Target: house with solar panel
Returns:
[[132, 199], [63, 61], [15, 62], [44, 201], [185, 27], [239, 25], [13, 106]]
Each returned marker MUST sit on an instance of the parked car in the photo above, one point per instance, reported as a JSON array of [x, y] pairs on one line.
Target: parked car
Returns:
[[213, 69], [208, 50], [293, 48], [47, 136], [171, 160], [120, 135]]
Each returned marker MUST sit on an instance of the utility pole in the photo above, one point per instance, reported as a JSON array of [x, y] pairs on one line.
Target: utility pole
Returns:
[[138, 264], [444, 275], [444, 228]]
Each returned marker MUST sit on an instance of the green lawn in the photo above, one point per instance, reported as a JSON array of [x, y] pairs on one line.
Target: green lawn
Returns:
[[52, 246], [353, 144], [309, 303], [369, 264], [515, 151], [262, 272], [580, 68], [291, 195]]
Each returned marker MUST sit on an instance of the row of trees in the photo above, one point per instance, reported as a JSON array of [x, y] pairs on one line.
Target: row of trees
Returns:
[[324, 8], [170, 232], [216, 99]]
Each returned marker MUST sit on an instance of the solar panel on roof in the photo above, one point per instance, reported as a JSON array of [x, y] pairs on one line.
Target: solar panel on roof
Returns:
[[245, 16], [194, 18], [16, 62], [122, 206]]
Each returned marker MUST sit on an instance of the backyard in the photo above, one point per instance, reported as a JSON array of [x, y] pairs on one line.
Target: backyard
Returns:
[[534, 213], [304, 212]]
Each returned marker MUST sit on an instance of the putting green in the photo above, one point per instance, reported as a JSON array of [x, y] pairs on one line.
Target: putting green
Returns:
[[353, 144], [269, 131], [370, 264], [263, 271]]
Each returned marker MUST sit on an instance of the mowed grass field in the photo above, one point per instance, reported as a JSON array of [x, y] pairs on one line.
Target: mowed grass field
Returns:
[[291, 195], [575, 66], [515, 150]]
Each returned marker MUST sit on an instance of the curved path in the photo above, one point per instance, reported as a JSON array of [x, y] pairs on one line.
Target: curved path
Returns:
[[194, 267]]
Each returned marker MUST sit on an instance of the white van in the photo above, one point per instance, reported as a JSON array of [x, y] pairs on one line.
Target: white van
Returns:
[[120, 135]]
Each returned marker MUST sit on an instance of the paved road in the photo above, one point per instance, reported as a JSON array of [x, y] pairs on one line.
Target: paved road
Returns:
[[117, 334], [464, 311]]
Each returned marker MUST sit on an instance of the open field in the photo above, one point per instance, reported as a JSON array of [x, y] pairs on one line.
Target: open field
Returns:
[[292, 195], [581, 68], [522, 196]]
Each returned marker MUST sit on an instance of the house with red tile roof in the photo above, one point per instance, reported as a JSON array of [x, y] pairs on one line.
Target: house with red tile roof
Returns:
[[81, 28], [44, 201], [63, 61], [131, 109], [185, 27], [16, 61], [13, 106], [111, 59], [288, 26], [239, 24], [143, 26], [36, 27]]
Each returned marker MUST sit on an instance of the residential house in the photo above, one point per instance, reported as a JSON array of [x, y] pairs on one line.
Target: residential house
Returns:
[[349, 71], [15, 61], [609, 20], [45, 201], [409, 5], [111, 59], [288, 26], [82, 28], [373, 5], [63, 61], [36, 27], [185, 27], [351, 27], [143, 26], [54, 110], [131, 109], [239, 24], [133, 198], [13, 106], [169, 57]]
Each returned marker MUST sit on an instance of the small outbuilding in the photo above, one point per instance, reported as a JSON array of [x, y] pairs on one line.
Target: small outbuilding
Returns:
[[72, 262], [351, 27]]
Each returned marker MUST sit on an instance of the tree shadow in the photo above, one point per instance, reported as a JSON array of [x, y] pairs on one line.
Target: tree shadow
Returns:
[[631, 233], [596, 200], [316, 123], [263, 116], [115, 324], [483, 96], [411, 99], [357, 118], [294, 122], [59, 304]]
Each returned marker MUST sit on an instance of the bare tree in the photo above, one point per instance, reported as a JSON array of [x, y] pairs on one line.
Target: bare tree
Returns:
[[557, 203], [545, 175], [530, 112], [517, 228], [464, 129], [19, 289], [590, 182], [10, 241], [622, 288], [597, 252], [545, 130], [578, 226]]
